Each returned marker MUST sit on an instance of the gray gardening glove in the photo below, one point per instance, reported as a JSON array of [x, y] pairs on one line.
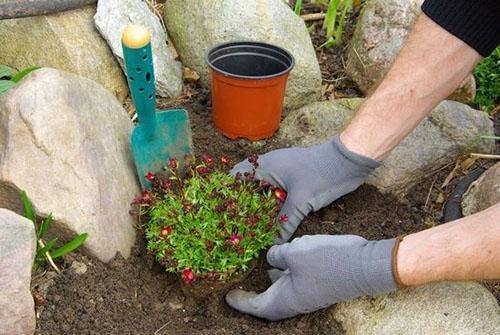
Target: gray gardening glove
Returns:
[[313, 177], [319, 271]]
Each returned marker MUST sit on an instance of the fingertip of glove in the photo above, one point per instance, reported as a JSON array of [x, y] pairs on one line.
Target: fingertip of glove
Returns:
[[239, 299]]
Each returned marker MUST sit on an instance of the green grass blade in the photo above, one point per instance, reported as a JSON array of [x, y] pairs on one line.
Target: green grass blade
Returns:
[[40, 253], [23, 73], [28, 207], [340, 29], [70, 246], [45, 226], [298, 7], [331, 17], [6, 71], [6, 85], [328, 43]]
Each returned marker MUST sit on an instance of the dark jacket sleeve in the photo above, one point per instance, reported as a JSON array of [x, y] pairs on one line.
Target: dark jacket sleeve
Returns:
[[476, 22]]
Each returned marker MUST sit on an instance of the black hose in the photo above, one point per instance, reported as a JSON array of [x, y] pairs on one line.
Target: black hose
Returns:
[[453, 207], [22, 8]]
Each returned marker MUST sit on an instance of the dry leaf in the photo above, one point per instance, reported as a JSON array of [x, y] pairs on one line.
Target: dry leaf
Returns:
[[190, 75]]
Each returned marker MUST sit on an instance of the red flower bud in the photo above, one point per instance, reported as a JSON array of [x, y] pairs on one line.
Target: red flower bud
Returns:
[[283, 218], [235, 239], [251, 220], [188, 276], [280, 194], [253, 160], [173, 164], [147, 197], [202, 170], [166, 231], [150, 176], [207, 159], [212, 276], [225, 160]]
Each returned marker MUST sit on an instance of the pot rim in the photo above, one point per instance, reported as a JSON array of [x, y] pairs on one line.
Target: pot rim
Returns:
[[257, 44]]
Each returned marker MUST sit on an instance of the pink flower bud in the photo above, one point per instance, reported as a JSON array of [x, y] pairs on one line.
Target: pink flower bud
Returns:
[[283, 218], [173, 164], [225, 160], [150, 176], [166, 231], [280, 194], [207, 159], [235, 239], [188, 276]]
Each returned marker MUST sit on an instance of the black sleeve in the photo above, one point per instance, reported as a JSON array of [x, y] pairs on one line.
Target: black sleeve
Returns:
[[476, 22]]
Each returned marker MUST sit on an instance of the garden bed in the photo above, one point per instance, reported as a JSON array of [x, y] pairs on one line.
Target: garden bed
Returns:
[[136, 296]]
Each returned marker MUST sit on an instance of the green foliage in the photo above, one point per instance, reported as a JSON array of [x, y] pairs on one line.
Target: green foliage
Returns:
[[335, 17], [9, 77], [298, 7], [335, 21], [208, 223], [487, 74], [46, 250]]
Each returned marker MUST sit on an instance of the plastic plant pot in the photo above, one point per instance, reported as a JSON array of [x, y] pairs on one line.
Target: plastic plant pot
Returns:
[[248, 88]]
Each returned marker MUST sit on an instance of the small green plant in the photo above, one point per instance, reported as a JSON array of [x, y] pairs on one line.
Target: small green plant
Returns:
[[10, 77], [47, 251], [207, 224], [335, 21], [335, 17], [487, 74]]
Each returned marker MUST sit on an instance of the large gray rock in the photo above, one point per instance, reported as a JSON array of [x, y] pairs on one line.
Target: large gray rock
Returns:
[[195, 26], [381, 30], [483, 193], [17, 252], [68, 41], [444, 309], [439, 139], [111, 19], [65, 140]]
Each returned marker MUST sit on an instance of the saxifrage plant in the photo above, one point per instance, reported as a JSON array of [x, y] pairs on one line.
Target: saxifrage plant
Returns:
[[205, 223], [47, 251]]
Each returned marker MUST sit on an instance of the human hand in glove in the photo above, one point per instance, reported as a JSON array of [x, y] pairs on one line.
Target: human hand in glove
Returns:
[[317, 271], [313, 177]]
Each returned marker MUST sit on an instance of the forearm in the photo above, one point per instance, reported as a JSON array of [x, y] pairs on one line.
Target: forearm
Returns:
[[429, 67], [465, 249]]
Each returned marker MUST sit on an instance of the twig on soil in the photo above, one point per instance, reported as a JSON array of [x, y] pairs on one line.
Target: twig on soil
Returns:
[[359, 57], [429, 193], [485, 156], [313, 17], [51, 261], [334, 80], [162, 327]]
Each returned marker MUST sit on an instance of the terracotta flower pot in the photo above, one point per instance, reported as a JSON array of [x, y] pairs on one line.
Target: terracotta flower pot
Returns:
[[248, 88]]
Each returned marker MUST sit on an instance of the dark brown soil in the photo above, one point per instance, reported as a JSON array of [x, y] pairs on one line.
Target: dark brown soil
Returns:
[[135, 296]]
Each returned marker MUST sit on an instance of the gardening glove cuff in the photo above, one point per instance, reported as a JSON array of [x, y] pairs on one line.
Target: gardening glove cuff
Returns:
[[372, 267]]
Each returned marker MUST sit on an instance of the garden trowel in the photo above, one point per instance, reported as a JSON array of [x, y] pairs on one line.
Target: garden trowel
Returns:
[[159, 135]]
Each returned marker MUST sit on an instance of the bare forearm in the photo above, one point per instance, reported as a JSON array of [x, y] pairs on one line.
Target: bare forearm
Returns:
[[465, 249], [429, 67]]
